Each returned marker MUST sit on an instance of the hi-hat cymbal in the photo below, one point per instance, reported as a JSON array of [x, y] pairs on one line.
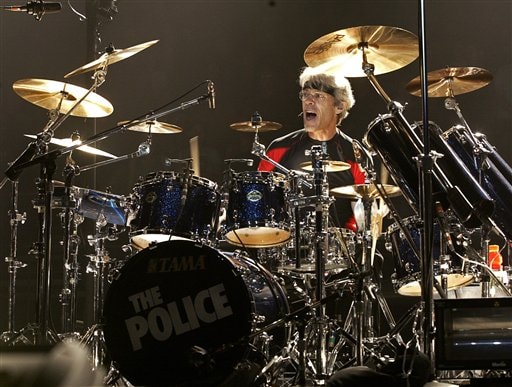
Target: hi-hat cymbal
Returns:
[[451, 81], [365, 191], [261, 126], [153, 126], [67, 142], [111, 57], [386, 48], [53, 95], [328, 166]]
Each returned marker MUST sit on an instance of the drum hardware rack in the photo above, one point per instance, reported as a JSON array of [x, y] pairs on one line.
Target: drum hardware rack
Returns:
[[365, 291], [37, 153]]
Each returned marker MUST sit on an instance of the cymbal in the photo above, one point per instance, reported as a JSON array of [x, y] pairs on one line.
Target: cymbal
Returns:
[[109, 58], [67, 142], [261, 126], [365, 191], [451, 81], [329, 166], [153, 126], [51, 95], [386, 48]]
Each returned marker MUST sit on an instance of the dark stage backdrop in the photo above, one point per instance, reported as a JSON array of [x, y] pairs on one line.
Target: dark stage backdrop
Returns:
[[253, 51]]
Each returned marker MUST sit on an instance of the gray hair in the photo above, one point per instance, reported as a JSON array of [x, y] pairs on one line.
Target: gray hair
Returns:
[[336, 85]]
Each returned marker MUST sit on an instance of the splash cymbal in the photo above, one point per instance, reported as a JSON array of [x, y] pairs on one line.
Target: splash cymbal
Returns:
[[53, 95], [451, 81], [153, 126], [67, 142], [109, 58], [386, 48], [328, 165], [365, 191], [261, 126]]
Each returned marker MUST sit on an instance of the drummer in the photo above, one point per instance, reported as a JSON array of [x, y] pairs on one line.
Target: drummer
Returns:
[[326, 102]]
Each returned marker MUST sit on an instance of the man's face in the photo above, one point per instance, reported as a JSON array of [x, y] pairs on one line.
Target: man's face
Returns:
[[319, 110]]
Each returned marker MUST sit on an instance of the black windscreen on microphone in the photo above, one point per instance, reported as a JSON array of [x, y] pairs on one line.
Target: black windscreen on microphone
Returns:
[[36, 8]]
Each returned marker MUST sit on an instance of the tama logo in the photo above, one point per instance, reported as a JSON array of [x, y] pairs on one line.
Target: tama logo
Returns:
[[177, 264], [160, 322], [254, 196]]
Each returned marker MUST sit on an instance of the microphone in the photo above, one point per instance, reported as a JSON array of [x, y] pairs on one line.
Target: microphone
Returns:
[[28, 154], [36, 8], [443, 226], [211, 95], [142, 150]]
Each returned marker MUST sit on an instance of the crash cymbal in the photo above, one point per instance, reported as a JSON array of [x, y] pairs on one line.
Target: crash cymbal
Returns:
[[109, 58], [451, 81], [387, 48], [67, 142], [329, 166], [365, 191], [261, 126], [153, 126], [53, 95]]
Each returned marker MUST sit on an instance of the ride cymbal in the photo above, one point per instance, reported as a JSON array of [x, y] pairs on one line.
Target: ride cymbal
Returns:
[[52, 95], [153, 126], [109, 58], [386, 48], [67, 142], [365, 191], [451, 81], [261, 126], [328, 166]]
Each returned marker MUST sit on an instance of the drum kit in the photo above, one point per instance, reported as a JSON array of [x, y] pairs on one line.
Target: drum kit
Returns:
[[182, 310]]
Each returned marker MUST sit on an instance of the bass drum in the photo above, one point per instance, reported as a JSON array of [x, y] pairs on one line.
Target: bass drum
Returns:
[[182, 313]]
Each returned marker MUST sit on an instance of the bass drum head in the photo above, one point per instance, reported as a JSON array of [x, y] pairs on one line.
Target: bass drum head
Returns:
[[178, 312]]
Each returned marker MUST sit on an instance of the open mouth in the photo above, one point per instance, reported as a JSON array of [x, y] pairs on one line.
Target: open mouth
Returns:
[[310, 116]]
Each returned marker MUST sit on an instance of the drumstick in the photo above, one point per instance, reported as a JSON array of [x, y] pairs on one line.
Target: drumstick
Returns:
[[194, 154]]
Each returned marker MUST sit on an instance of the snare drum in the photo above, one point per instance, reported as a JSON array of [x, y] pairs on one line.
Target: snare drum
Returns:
[[167, 203], [407, 276], [183, 313], [257, 213]]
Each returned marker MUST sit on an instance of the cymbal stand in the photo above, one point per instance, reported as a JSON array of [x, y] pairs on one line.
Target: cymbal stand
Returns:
[[70, 219], [425, 164], [11, 336], [318, 155], [99, 262], [360, 317]]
